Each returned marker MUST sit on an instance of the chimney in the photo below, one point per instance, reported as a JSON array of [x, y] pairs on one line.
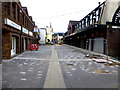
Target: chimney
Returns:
[[99, 3]]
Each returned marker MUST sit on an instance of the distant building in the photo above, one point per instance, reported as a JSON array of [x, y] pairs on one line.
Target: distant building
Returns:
[[42, 35], [60, 36], [37, 34], [72, 27], [56, 37], [49, 32]]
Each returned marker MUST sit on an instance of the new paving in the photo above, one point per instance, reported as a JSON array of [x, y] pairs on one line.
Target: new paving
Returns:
[[57, 66]]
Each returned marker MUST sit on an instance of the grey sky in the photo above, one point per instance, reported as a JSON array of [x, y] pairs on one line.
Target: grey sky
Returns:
[[58, 12]]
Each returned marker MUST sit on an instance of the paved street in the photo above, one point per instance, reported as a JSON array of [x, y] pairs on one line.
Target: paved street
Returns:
[[57, 66]]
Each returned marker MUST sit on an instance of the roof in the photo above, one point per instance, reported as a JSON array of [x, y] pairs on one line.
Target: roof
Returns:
[[73, 22]]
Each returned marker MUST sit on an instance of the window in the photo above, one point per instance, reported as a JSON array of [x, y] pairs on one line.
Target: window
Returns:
[[77, 26], [82, 23], [6, 7], [13, 10], [23, 18], [18, 15], [91, 21], [86, 21], [94, 17], [27, 23], [98, 15], [80, 26]]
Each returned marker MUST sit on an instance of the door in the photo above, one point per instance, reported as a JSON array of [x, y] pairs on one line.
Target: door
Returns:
[[25, 43], [13, 50]]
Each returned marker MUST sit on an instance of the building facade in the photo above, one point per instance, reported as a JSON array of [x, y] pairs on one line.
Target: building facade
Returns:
[[49, 32], [42, 36], [17, 29], [57, 37], [98, 31]]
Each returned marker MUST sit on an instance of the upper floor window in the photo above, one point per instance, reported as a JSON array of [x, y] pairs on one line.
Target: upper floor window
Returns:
[[18, 14], [91, 19], [86, 22], [80, 27], [83, 24], [94, 17], [13, 10], [97, 16], [6, 7], [27, 23], [23, 21]]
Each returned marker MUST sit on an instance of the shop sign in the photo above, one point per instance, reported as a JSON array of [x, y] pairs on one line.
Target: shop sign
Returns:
[[24, 30], [12, 24], [115, 26], [30, 33]]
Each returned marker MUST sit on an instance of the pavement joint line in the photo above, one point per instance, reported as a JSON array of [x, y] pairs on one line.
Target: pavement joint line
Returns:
[[48, 59], [53, 59]]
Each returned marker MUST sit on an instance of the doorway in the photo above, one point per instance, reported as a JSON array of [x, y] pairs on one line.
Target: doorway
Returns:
[[13, 49]]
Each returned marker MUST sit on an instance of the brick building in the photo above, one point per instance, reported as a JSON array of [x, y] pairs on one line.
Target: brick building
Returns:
[[17, 29]]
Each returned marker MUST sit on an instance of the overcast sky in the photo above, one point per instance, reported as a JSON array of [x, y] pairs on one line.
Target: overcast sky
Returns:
[[58, 12]]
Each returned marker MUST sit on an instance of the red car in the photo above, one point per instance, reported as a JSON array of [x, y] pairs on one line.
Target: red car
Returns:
[[33, 46]]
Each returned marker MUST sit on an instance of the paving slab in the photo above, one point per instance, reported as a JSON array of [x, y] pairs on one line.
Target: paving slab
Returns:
[[89, 74], [22, 73], [57, 67]]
